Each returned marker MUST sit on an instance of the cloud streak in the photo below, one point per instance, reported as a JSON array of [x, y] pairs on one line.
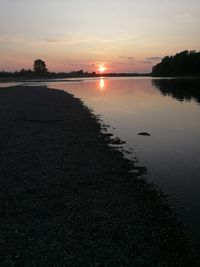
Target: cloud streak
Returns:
[[154, 58], [127, 58], [83, 39]]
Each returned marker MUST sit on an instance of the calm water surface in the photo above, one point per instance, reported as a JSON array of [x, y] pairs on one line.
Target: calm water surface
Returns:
[[167, 109]]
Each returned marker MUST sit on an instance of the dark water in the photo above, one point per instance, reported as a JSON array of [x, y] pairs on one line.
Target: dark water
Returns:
[[168, 109]]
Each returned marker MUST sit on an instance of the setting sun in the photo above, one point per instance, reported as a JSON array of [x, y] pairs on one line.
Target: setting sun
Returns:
[[101, 69]]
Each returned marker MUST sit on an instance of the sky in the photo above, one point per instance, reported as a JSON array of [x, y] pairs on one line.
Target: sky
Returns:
[[122, 36]]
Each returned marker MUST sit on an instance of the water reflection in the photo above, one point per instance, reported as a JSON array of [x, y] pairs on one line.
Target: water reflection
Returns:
[[102, 84], [181, 89], [9, 84], [171, 153]]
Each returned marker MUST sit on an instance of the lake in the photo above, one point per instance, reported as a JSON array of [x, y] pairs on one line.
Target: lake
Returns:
[[167, 109]]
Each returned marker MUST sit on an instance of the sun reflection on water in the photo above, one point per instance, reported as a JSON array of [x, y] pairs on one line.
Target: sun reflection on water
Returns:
[[102, 84]]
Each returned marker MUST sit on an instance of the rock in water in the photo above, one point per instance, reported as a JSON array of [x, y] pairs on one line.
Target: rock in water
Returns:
[[144, 134]]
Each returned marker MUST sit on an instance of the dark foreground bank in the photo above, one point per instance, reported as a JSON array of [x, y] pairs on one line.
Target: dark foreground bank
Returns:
[[68, 199]]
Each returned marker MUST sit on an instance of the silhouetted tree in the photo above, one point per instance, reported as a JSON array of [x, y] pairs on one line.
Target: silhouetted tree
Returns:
[[183, 63], [39, 67]]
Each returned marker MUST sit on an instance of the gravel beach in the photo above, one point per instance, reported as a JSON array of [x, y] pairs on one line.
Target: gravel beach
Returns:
[[69, 199]]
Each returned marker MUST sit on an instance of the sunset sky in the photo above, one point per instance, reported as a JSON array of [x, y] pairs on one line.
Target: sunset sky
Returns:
[[123, 36]]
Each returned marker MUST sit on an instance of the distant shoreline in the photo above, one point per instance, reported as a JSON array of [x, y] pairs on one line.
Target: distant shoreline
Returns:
[[41, 80], [79, 78]]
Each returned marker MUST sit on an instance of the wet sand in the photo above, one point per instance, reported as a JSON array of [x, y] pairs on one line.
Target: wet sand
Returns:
[[69, 199]]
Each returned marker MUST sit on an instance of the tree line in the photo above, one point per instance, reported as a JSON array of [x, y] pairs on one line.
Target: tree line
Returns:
[[185, 63], [40, 70]]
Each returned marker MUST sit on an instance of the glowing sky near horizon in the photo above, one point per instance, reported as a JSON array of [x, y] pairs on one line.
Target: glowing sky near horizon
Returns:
[[122, 36]]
